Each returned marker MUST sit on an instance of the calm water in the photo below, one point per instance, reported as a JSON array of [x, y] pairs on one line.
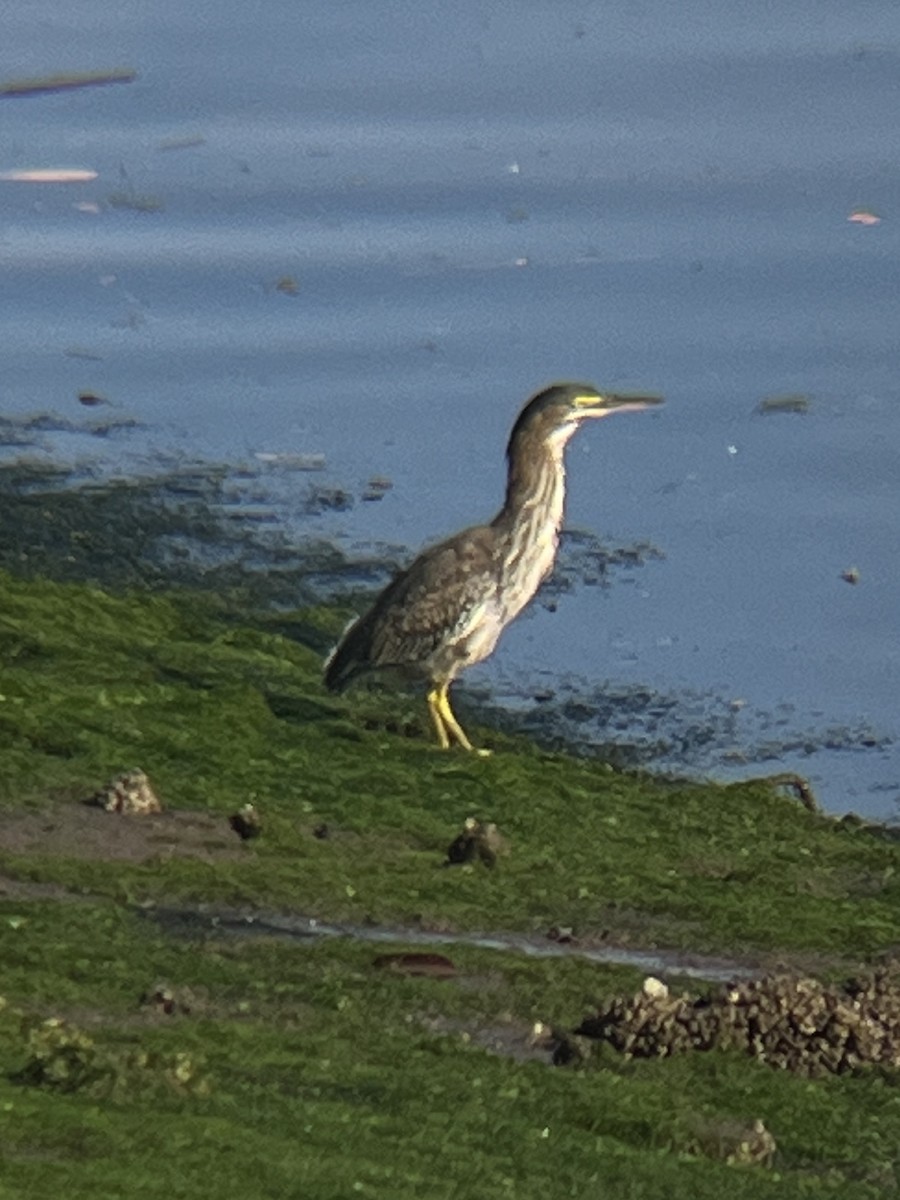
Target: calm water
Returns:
[[473, 202]]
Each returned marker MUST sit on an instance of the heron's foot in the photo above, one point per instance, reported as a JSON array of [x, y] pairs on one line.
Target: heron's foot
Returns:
[[446, 726]]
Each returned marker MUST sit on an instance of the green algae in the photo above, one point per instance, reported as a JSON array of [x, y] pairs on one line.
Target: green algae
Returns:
[[323, 1076], [184, 527], [220, 715]]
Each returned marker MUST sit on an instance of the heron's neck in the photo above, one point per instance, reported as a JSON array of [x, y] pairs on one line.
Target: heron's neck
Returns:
[[536, 486]]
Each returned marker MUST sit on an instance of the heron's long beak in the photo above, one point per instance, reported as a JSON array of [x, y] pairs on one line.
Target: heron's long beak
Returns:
[[609, 402]]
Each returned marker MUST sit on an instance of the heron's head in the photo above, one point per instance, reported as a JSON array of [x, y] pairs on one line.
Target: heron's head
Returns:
[[553, 415]]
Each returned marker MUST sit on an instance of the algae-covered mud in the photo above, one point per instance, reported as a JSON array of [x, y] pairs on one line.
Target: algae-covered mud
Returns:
[[154, 1045]]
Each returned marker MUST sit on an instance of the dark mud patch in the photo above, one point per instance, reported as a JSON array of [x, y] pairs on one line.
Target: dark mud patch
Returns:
[[510, 1038], [22, 890], [83, 832]]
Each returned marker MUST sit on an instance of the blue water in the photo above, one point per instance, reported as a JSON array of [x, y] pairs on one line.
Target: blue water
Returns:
[[474, 201]]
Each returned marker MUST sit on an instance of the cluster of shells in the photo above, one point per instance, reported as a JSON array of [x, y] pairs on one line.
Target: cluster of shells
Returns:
[[129, 793], [794, 1023], [479, 841]]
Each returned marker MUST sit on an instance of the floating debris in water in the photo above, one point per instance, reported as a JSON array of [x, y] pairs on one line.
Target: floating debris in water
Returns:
[[48, 175], [376, 489], [790, 403], [64, 82], [135, 201], [288, 286], [291, 462], [182, 143], [586, 560], [327, 499]]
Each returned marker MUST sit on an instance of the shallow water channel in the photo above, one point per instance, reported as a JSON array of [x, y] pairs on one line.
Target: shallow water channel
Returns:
[[296, 928]]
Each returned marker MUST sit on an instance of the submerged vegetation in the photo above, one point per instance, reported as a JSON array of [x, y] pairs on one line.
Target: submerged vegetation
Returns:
[[138, 1061]]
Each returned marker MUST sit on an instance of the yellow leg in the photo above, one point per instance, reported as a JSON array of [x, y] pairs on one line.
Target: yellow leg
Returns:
[[451, 724], [434, 709], [445, 722]]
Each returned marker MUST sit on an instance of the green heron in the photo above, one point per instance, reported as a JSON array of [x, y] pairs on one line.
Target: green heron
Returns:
[[447, 610]]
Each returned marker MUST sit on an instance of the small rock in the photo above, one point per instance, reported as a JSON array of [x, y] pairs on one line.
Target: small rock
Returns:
[[756, 1147], [570, 1050], [479, 840], [564, 934], [654, 988], [435, 965], [246, 822], [163, 998]]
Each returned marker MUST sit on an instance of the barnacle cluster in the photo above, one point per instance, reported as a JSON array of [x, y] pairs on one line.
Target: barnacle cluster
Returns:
[[246, 822], [61, 1057], [795, 1023], [128, 793], [739, 1143], [479, 841]]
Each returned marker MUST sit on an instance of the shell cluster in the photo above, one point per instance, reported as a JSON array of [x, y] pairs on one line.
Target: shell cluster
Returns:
[[794, 1023], [128, 793], [479, 841], [735, 1142], [164, 999], [246, 822]]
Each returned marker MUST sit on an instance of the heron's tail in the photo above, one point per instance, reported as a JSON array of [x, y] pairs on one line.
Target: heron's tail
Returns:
[[347, 660]]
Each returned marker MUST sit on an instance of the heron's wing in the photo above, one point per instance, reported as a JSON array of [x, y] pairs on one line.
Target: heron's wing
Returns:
[[429, 605], [436, 597]]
